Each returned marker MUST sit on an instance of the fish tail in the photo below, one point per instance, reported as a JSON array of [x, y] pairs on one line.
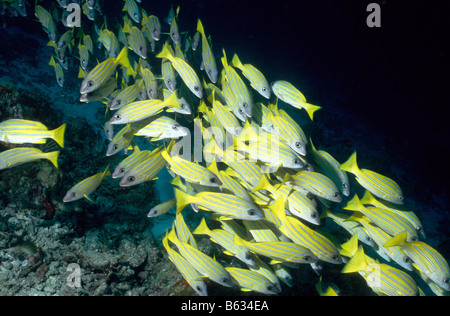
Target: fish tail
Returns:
[[126, 28], [52, 62], [354, 204], [123, 60], [200, 28], [53, 157], [350, 165], [398, 240], [356, 263], [277, 208], [183, 199], [165, 53], [263, 184], [172, 236], [368, 198], [202, 228], [310, 109], [172, 100], [106, 173], [236, 62], [350, 247], [58, 135]]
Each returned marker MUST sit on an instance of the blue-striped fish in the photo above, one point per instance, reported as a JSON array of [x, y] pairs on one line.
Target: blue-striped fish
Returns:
[[208, 60], [185, 108], [204, 264], [286, 92], [289, 131], [390, 222], [221, 203], [426, 259], [192, 276], [279, 251], [120, 141], [162, 128], [168, 74], [368, 198], [86, 186], [226, 117], [317, 184], [379, 185], [229, 184], [331, 168], [133, 10], [262, 268], [249, 280], [102, 93], [383, 279], [255, 76], [137, 157], [125, 96], [151, 86], [140, 110], [103, 71], [152, 24], [18, 131], [226, 240], [145, 170], [162, 208], [58, 71], [238, 88], [299, 233], [186, 72], [65, 40], [380, 237], [191, 171], [174, 32], [136, 40], [84, 56], [20, 155], [262, 230]]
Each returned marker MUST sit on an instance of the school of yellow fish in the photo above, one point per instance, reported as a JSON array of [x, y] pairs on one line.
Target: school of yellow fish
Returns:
[[258, 176]]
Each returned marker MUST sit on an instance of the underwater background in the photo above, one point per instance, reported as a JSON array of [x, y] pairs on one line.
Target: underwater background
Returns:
[[383, 92]]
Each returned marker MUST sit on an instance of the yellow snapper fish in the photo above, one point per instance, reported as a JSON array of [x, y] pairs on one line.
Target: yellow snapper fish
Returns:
[[86, 186], [152, 24], [383, 279], [225, 239], [133, 10], [120, 141], [136, 40], [255, 76], [183, 232], [426, 259], [192, 276], [204, 264], [249, 280], [58, 71], [140, 110], [18, 131], [379, 185], [146, 170], [208, 60], [331, 168], [84, 56], [186, 72], [20, 155], [162, 208], [104, 70], [162, 128], [286, 92], [137, 157], [221, 203]]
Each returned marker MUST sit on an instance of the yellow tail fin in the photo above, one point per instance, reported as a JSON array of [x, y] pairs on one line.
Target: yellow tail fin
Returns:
[[200, 28], [183, 199], [202, 228], [310, 109], [350, 247], [58, 135], [398, 240], [350, 165], [53, 157], [356, 263], [236, 62], [354, 204]]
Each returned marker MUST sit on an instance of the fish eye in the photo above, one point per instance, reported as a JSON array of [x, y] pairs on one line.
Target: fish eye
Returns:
[[446, 281], [400, 197], [141, 48], [296, 161], [135, 16], [270, 288], [344, 185], [419, 229], [298, 144], [251, 212], [154, 31], [406, 259], [131, 179], [248, 255], [182, 106], [90, 83], [240, 111], [117, 116], [264, 89], [335, 258], [74, 194], [122, 170], [196, 88], [307, 258], [335, 194], [176, 127], [116, 146], [118, 102], [245, 105], [225, 280], [199, 288], [413, 238], [169, 81], [369, 239], [213, 180], [313, 215]]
